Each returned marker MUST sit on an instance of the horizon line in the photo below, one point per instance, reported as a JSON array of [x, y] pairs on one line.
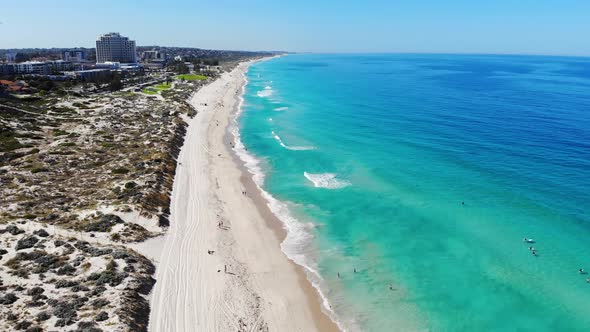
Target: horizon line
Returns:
[[334, 52]]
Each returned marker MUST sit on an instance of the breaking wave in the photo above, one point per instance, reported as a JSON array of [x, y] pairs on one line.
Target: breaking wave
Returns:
[[294, 148], [326, 180], [266, 92]]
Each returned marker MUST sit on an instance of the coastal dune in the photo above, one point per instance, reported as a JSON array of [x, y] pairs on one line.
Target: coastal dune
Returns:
[[221, 267]]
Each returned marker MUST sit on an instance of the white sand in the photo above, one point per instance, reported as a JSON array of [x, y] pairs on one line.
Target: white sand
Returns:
[[263, 290]]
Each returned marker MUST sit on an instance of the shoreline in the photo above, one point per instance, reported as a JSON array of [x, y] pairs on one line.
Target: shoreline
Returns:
[[221, 266], [274, 223]]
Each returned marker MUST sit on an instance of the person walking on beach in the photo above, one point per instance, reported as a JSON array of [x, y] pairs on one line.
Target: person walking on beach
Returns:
[[338, 275]]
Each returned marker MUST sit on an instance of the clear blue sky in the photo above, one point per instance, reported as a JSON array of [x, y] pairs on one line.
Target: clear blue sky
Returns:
[[456, 26]]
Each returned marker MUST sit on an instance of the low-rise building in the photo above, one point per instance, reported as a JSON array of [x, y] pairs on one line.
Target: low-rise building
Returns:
[[74, 55], [108, 65], [154, 59], [154, 65], [210, 69], [90, 74], [131, 67], [6, 69], [60, 65], [153, 56], [36, 67], [32, 67]]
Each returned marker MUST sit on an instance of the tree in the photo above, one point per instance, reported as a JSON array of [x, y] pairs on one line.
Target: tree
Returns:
[[42, 83], [22, 57], [211, 62], [47, 85], [68, 84], [115, 84], [182, 68], [179, 67]]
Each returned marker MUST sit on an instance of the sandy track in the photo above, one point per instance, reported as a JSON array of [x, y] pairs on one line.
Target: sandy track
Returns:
[[261, 289]]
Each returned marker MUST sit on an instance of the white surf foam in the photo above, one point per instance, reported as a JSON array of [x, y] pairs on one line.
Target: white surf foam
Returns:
[[294, 148], [326, 180], [299, 234], [265, 93], [280, 109]]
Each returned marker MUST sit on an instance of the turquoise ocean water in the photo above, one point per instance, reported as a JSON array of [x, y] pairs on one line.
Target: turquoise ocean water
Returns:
[[424, 173]]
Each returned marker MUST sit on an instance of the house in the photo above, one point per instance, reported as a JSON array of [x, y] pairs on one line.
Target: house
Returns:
[[15, 87]]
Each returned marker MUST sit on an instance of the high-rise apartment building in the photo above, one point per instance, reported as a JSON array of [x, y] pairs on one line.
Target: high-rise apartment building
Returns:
[[113, 47]]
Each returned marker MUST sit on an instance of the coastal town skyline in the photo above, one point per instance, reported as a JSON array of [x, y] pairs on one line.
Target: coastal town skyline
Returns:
[[504, 27], [113, 53]]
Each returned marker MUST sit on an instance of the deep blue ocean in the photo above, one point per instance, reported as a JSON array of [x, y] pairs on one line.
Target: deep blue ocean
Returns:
[[424, 173]]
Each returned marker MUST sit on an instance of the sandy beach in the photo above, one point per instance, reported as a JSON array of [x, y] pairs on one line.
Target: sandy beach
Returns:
[[221, 267]]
